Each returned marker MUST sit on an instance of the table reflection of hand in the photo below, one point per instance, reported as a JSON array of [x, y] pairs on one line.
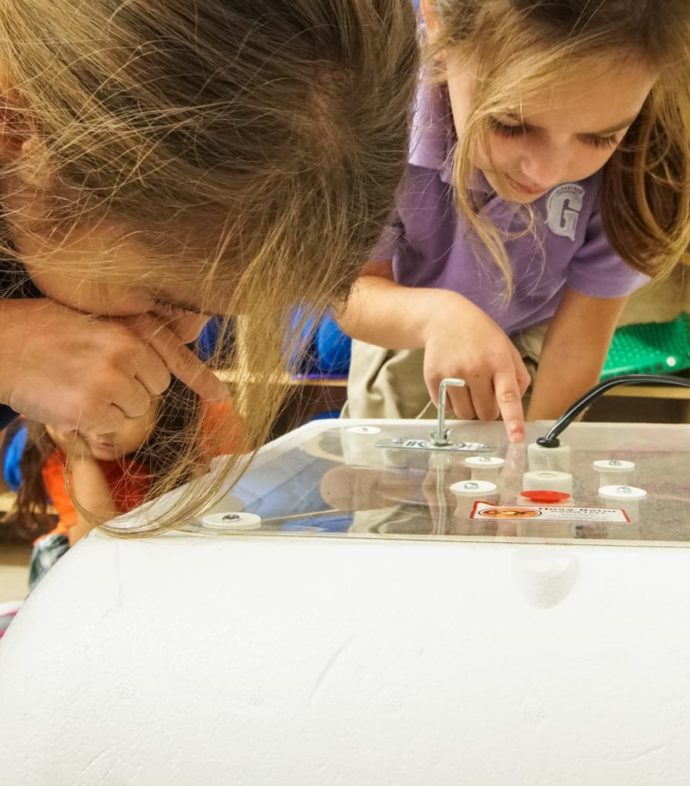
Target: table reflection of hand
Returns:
[[364, 488], [511, 485], [354, 488], [443, 471]]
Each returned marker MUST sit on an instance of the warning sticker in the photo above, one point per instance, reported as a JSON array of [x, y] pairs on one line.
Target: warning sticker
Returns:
[[484, 510]]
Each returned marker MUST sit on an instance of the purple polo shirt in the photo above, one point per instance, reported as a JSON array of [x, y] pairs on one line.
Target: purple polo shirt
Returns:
[[432, 246]]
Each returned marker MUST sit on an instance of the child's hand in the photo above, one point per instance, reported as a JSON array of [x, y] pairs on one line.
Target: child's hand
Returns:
[[76, 371], [464, 342]]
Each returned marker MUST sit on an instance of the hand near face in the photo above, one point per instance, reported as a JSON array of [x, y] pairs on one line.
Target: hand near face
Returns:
[[77, 371]]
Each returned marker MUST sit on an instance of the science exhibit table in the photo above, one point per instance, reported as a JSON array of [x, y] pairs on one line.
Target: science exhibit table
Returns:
[[354, 614]]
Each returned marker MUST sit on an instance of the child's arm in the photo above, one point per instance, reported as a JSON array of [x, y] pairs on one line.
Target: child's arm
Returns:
[[88, 484], [459, 340], [574, 352]]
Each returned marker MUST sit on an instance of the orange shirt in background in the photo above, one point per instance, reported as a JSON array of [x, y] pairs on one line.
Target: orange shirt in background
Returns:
[[128, 480]]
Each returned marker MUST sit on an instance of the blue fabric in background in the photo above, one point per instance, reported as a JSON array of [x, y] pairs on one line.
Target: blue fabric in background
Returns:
[[301, 342], [323, 349], [325, 523], [12, 455], [205, 345], [333, 348]]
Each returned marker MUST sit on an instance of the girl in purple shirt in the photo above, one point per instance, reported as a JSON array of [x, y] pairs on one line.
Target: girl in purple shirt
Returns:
[[548, 179]]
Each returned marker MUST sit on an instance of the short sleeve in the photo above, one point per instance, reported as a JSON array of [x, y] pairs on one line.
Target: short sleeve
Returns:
[[597, 270]]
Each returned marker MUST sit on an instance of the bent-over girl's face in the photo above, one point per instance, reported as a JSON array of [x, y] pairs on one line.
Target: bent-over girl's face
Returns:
[[128, 438], [133, 289], [171, 305], [566, 134]]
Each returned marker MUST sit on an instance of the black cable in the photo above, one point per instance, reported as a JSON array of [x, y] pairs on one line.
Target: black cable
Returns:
[[551, 438]]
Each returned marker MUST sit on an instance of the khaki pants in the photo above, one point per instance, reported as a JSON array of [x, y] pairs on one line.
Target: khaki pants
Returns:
[[388, 383]]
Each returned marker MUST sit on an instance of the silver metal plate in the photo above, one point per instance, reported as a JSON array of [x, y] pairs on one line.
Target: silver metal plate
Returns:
[[425, 444]]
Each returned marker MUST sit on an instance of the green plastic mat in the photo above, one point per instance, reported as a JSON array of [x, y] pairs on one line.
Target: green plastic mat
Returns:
[[650, 348]]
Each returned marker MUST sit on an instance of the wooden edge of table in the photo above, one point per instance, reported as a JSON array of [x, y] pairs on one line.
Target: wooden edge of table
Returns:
[[632, 391], [230, 376], [650, 391]]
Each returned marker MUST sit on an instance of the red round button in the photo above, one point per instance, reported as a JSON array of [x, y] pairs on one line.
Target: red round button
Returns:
[[545, 496]]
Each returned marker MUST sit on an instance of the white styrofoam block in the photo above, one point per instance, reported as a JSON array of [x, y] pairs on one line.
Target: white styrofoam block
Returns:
[[302, 662]]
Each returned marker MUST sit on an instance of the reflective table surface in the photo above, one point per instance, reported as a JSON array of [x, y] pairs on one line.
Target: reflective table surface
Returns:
[[331, 478]]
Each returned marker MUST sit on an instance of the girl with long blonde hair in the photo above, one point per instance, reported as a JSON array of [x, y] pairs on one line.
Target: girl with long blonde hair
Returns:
[[161, 160], [549, 177]]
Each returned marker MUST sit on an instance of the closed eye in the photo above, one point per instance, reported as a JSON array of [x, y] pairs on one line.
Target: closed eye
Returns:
[[507, 129], [602, 141], [165, 308], [171, 307], [510, 130]]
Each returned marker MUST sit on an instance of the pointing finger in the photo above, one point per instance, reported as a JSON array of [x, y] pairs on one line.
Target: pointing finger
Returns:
[[509, 401]]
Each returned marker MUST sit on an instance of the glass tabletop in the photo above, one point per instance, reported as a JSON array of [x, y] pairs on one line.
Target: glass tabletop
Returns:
[[357, 478]]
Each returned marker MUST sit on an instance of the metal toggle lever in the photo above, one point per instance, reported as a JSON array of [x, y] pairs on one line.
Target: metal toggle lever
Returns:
[[439, 438]]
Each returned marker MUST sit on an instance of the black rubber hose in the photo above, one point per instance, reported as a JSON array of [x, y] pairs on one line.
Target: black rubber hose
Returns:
[[551, 438]]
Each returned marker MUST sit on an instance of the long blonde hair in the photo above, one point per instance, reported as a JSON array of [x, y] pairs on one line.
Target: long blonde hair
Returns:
[[258, 142], [524, 47]]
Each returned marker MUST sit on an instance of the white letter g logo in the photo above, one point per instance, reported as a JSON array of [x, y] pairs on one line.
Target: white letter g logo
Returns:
[[563, 209]]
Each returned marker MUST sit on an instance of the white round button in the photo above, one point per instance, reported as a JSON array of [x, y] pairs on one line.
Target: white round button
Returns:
[[613, 465], [621, 492], [473, 488], [364, 430], [547, 480], [490, 462], [231, 522]]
